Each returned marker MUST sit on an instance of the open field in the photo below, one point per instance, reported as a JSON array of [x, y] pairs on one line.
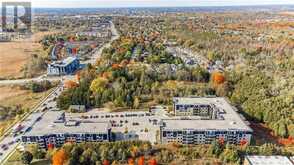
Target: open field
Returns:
[[14, 55], [13, 95], [15, 159]]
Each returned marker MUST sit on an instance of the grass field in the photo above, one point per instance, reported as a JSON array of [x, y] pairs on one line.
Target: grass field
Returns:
[[15, 159], [14, 55]]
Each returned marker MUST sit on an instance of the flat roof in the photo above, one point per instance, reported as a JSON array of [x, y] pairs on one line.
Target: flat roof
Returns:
[[231, 119], [64, 62], [269, 160], [47, 126]]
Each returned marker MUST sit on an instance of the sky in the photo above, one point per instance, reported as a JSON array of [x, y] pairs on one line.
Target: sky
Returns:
[[151, 3]]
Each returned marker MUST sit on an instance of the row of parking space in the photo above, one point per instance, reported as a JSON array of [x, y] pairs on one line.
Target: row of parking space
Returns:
[[126, 115]]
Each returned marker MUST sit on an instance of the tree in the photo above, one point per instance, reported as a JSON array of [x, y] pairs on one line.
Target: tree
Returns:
[[106, 162], [131, 161], [59, 157], [70, 84], [217, 78], [141, 160], [26, 157], [98, 85], [152, 162], [136, 103]]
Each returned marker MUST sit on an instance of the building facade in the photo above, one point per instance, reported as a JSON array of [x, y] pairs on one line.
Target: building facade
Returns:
[[202, 136], [65, 67], [54, 130], [57, 140]]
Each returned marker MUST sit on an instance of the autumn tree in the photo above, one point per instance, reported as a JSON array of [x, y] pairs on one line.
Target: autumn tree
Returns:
[[136, 103], [106, 162], [141, 160], [98, 85], [217, 78], [152, 162], [70, 84], [59, 157], [131, 161]]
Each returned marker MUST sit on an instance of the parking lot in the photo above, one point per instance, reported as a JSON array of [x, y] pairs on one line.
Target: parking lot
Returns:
[[130, 125]]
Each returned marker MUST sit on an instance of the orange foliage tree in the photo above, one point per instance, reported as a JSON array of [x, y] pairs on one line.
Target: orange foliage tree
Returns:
[[152, 162], [141, 160], [59, 157], [217, 78], [70, 84]]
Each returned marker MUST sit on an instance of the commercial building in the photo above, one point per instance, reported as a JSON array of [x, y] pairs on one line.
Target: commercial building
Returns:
[[67, 66], [55, 130], [267, 160], [203, 120]]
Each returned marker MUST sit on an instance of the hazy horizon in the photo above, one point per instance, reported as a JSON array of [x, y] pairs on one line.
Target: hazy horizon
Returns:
[[152, 3]]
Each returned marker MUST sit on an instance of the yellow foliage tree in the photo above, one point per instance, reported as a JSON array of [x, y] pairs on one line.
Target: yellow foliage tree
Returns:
[[98, 85]]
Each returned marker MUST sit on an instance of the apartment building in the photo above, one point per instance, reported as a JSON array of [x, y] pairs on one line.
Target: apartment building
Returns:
[[196, 121], [55, 130], [204, 120]]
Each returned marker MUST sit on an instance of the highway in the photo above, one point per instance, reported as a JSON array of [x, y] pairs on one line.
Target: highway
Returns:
[[10, 141]]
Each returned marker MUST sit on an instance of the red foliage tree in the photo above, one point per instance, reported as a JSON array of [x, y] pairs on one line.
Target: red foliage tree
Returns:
[[106, 162], [50, 146], [243, 142], [131, 161], [221, 140]]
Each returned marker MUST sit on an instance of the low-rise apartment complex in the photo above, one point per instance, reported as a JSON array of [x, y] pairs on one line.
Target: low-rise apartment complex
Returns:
[[203, 120], [196, 121], [54, 130]]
